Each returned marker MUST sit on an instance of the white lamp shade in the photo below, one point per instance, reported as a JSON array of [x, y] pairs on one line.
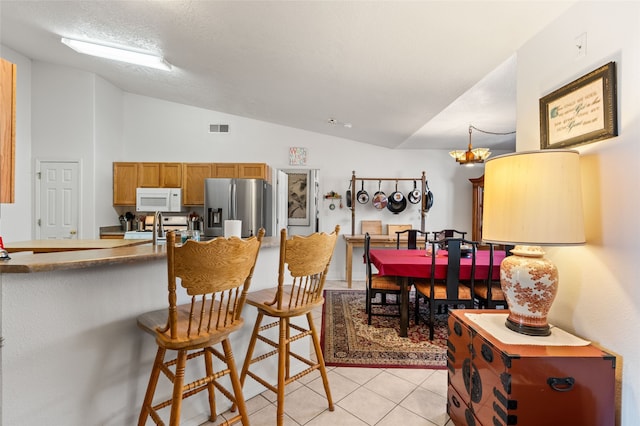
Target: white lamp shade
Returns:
[[533, 198]]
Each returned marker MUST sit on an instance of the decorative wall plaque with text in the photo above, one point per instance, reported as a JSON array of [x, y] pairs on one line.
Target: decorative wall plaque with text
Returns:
[[581, 112]]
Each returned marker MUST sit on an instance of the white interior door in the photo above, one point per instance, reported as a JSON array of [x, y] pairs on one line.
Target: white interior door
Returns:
[[59, 193]]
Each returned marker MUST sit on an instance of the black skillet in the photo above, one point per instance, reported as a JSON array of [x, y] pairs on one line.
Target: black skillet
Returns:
[[428, 199], [397, 201], [415, 196], [362, 195]]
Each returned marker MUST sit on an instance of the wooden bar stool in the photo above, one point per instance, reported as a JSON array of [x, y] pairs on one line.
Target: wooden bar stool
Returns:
[[217, 275], [305, 260]]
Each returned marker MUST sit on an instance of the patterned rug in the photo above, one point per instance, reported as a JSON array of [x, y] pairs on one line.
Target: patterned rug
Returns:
[[347, 340]]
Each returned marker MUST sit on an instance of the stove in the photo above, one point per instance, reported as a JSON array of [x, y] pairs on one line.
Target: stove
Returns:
[[169, 223]]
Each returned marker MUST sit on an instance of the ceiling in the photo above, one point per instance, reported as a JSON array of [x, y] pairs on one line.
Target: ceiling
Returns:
[[403, 74]]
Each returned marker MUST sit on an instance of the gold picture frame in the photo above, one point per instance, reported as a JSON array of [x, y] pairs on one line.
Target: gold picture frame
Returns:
[[581, 112]]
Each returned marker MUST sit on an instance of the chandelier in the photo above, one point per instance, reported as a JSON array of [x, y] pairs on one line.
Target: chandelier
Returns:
[[474, 155]]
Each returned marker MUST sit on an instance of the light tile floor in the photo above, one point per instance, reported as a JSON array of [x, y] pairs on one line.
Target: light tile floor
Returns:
[[362, 396]]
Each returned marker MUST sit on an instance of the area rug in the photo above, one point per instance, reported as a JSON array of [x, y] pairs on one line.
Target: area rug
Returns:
[[347, 340]]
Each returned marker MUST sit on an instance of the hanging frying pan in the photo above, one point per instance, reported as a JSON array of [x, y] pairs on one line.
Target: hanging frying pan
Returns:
[[415, 196], [362, 195], [397, 201], [349, 196], [428, 199], [380, 199]]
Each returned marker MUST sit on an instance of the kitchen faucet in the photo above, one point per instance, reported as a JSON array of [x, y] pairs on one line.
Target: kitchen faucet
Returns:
[[158, 228]]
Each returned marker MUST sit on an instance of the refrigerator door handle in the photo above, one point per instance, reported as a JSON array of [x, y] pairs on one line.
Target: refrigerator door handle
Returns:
[[232, 201]]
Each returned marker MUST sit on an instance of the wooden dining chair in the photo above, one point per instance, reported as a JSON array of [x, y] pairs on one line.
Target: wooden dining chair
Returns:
[[304, 260], [451, 292], [443, 235], [216, 275], [378, 285], [415, 238], [488, 292]]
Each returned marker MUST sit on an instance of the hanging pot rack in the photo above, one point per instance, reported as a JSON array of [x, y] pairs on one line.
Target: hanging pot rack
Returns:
[[355, 179]]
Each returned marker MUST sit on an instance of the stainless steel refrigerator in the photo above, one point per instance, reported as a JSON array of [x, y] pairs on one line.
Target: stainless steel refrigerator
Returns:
[[247, 200]]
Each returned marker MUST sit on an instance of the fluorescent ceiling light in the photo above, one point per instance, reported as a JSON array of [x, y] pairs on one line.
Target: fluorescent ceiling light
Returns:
[[130, 56]]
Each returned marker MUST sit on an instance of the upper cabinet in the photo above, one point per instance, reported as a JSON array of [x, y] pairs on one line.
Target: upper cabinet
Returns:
[[128, 176], [193, 182], [159, 175], [194, 175], [7, 131], [224, 170], [254, 171], [125, 182]]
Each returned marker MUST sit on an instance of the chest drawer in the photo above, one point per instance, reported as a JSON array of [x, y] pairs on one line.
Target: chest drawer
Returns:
[[503, 384]]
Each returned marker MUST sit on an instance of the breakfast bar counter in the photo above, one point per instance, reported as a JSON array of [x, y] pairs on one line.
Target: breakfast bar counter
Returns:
[[47, 246], [71, 349]]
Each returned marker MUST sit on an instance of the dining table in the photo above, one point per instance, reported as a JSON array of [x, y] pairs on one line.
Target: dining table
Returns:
[[406, 264]]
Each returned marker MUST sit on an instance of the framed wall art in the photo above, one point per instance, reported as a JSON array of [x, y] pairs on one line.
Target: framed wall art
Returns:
[[582, 112], [298, 201], [297, 156]]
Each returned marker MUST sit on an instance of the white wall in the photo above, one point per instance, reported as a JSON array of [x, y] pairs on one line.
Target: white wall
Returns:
[[156, 130], [599, 296], [108, 140]]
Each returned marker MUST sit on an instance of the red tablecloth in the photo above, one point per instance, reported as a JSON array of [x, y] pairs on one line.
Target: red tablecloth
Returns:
[[416, 264]]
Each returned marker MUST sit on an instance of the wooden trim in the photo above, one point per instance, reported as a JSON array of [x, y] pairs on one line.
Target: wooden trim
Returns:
[[7, 131]]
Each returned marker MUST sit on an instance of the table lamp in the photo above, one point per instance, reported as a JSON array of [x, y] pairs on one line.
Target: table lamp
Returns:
[[532, 199]]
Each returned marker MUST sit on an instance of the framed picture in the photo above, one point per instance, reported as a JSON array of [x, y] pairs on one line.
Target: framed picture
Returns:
[[581, 112], [298, 198], [297, 156]]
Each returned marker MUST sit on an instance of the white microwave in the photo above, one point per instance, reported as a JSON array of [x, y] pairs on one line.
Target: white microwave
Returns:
[[158, 199]]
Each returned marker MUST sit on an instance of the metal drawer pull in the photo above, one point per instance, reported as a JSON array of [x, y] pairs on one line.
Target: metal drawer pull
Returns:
[[455, 401], [487, 353], [457, 328], [561, 384]]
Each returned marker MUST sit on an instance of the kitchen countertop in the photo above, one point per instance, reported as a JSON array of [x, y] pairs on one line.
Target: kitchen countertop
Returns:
[[46, 246], [84, 256]]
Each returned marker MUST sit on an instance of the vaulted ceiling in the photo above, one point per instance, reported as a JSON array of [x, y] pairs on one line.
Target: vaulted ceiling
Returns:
[[403, 74]]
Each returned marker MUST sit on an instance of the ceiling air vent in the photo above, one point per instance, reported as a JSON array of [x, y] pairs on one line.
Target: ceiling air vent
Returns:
[[218, 128]]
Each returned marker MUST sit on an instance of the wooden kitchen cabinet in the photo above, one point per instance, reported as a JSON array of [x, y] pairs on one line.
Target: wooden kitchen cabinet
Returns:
[[195, 173], [148, 175], [476, 218], [193, 182], [7, 131], [127, 176], [224, 170], [254, 171], [125, 182], [171, 175], [494, 383], [159, 175]]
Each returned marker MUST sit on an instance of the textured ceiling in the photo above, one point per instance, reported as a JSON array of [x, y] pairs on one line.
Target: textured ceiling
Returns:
[[405, 74]]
